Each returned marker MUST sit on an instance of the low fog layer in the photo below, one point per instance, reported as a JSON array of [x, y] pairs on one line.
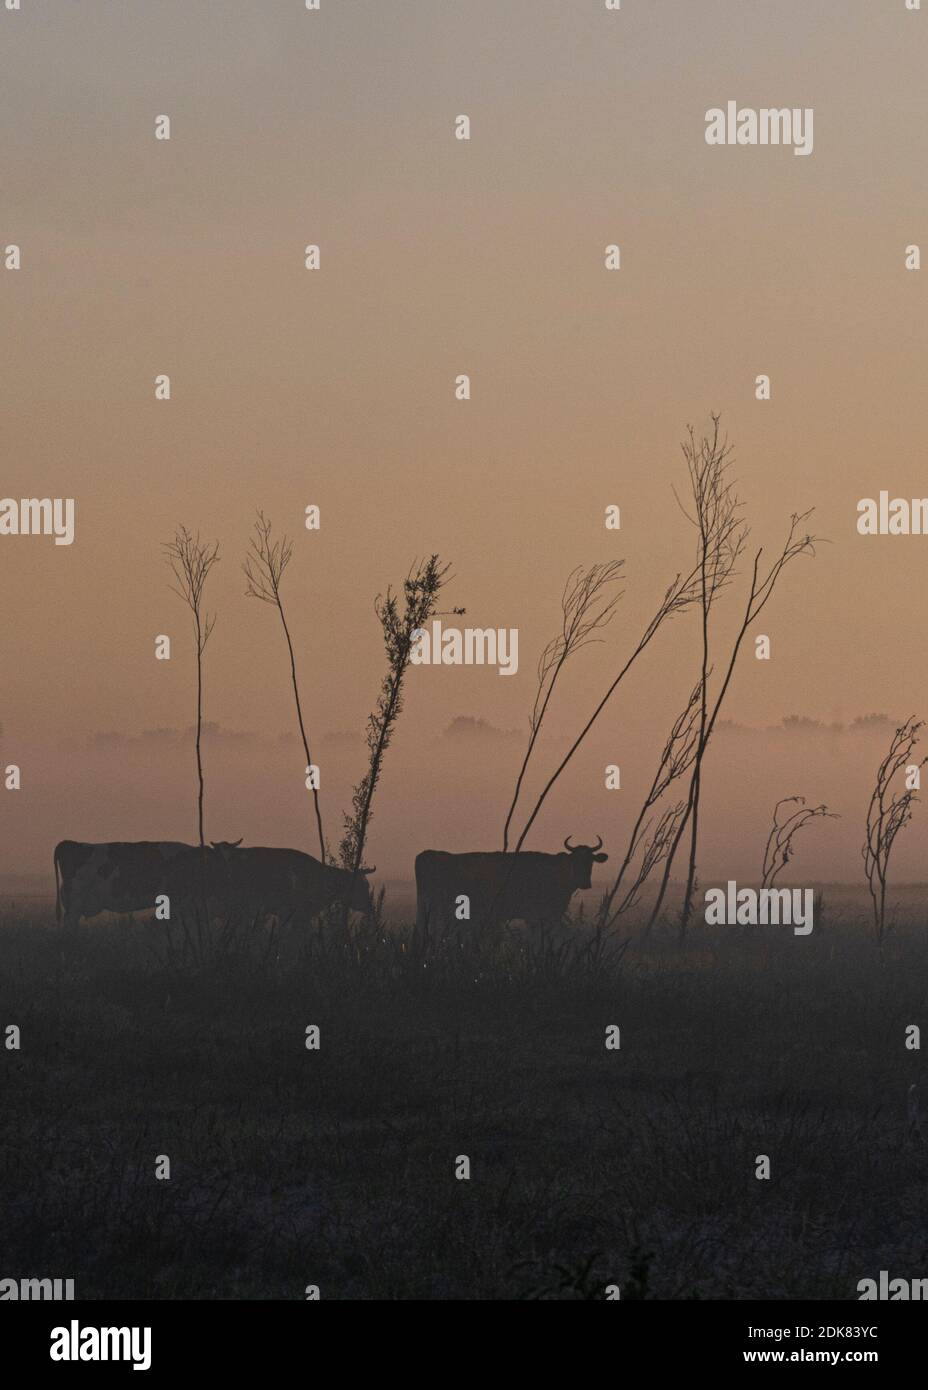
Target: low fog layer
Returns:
[[451, 792]]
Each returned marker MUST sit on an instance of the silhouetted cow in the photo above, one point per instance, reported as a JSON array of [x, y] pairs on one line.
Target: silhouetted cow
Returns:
[[123, 876], [529, 887], [286, 883]]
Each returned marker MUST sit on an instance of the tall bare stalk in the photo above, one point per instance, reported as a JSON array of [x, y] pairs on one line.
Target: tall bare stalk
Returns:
[[676, 757], [887, 814], [721, 539], [677, 597], [586, 608], [264, 570], [191, 560]]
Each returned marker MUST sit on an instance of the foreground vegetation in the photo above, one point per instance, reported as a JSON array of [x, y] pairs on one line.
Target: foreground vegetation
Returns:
[[336, 1167]]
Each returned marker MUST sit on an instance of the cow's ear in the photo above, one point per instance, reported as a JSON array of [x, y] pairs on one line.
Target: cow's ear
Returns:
[[600, 858]]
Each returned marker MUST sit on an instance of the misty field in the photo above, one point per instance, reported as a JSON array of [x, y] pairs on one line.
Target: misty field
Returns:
[[336, 1167]]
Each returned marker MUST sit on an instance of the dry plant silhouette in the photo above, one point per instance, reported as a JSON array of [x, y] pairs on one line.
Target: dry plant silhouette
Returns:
[[264, 570], [888, 814], [779, 850], [721, 539], [586, 609], [676, 757], [679, 595], [399, 624], [191, 560]]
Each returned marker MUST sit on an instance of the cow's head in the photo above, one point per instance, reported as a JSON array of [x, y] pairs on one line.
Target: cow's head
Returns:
[[582, 859], [351, 891], [225, 848], [361, 891]]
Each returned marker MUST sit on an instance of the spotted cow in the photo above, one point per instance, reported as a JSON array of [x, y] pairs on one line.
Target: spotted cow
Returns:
[[127, 876]]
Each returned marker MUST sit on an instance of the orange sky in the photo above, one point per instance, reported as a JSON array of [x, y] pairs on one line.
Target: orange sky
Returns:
[[336, 387]]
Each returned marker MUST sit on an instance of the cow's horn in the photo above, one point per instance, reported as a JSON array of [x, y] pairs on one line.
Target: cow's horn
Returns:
[[368, 871], [235, 843], [600, 845], [567, 844]]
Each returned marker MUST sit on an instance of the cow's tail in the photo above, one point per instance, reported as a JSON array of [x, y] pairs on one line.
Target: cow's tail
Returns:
[[57, 886]]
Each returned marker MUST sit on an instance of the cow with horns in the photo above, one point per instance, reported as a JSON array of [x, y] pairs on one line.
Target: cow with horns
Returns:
[[487, 888]]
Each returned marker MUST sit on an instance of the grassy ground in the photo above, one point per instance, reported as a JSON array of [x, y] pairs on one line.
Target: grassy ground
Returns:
[[336, 1167]]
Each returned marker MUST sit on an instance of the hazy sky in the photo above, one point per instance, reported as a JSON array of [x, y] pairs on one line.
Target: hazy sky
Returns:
[[336, 387]]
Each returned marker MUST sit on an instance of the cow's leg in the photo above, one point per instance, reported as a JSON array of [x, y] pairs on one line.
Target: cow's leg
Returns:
[[66, 916], [76, 906], [422, 911], [75, 911], [424, 916], [420, 939], [486, 927], [551, 931]]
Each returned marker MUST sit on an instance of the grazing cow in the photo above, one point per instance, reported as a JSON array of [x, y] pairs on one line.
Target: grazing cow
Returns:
[[286, 883], [122, 876], [528, 887]]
